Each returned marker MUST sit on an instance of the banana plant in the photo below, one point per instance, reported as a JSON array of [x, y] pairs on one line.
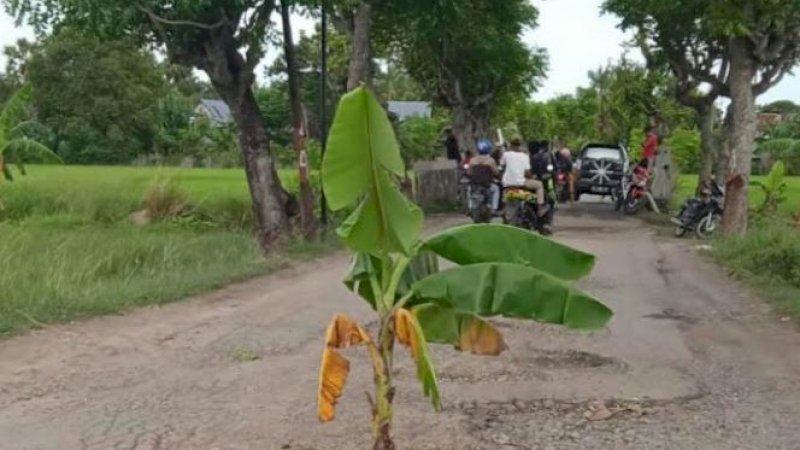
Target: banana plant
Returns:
[[773, 187], [498, 271], [16, 146]]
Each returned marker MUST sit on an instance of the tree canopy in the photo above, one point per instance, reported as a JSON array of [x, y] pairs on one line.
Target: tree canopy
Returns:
[[467, 55], [100, 99]]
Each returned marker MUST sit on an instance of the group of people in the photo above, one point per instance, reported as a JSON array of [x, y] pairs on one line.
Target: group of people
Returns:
[[510, 168], [502, 167]]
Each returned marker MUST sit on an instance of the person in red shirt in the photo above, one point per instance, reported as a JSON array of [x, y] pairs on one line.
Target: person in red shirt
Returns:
[[650, 148]]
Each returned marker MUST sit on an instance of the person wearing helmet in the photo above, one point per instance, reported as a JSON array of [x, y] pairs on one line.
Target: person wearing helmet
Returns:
[[518, 174], [483, 170]]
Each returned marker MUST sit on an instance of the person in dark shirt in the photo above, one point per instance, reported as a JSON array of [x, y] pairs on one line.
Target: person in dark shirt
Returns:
[[541, 158], [451, 146]]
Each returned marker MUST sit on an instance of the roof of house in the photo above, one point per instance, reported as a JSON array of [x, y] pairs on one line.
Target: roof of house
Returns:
[[404, 110], [217, 111]]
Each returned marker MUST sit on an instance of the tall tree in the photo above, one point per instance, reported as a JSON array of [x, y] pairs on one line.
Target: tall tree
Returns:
[[467, 55], [99, 99], [16, 60], [223, 38], [756, 41], [298, 124]]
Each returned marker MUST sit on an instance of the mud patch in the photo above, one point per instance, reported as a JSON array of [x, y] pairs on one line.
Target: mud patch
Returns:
[[570, 359]]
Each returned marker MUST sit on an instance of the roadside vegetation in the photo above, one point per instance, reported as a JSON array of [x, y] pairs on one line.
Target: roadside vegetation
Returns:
[[767, 258], [791, 206], [70, 250]]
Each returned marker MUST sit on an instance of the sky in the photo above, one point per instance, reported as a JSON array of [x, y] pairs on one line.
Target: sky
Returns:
[[577, 38]]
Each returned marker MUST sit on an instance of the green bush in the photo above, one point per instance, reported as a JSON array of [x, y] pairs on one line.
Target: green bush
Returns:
[[419, 139], [784, 149], [769, 251], [684, 145]]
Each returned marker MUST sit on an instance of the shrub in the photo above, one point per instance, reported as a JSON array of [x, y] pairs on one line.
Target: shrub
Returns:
[[165, 199], [685, 147], [419, 139], [770, 250]]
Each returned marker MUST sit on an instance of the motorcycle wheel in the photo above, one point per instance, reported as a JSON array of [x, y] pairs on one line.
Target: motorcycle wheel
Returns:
[[619, 201], [707, 226], [680, 231], [482, 214], [633, 205]]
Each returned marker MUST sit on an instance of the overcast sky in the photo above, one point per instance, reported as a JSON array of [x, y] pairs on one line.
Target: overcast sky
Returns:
[[577, 38]]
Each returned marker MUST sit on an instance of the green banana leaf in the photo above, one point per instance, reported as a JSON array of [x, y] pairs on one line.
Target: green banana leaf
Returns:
[[485, 243], [512, 290], [464, 331], [409, 333], [359, 165], [384, 220], [363, 265]]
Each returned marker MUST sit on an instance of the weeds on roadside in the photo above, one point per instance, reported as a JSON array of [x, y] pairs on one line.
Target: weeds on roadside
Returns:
[[768, 257]]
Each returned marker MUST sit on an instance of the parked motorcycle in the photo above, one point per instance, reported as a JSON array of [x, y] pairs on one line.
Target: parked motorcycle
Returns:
[[701, 215], [633, 193]]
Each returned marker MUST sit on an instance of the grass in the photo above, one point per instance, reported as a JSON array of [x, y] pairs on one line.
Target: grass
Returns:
[[768, 258], [688, 183], [110, 194], [68, 250]]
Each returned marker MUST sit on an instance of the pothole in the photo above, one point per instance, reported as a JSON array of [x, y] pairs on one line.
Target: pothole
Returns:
[[570, 359], [530, 365]]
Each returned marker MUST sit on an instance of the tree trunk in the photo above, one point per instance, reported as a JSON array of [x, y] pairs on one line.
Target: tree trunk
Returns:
[[743, 136], [307, 219], [469, 125], [270, 201], [232, 78], [361, 58], [707, 144], [724, 151]]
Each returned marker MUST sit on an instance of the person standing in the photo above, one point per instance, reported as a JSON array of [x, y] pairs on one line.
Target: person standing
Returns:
[[451, 146], [565, 166], [650, 147]]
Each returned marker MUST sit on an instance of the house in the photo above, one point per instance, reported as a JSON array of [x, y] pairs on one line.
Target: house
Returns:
[[216, 111], [767, 120], [406, 110]]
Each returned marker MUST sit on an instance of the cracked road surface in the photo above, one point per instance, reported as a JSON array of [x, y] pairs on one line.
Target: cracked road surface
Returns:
[[690, 361]]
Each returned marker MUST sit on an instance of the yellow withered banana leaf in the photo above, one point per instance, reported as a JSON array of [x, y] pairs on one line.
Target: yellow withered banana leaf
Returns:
[[342, 332]]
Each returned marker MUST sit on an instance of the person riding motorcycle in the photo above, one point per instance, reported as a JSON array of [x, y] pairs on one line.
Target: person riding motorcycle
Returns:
[[543, 166], [483, 171], [517, 174]]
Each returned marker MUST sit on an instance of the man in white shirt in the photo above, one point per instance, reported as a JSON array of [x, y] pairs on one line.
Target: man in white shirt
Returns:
[[518, 173]]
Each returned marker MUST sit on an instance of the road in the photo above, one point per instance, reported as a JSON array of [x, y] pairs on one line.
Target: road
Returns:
[[690, 361]]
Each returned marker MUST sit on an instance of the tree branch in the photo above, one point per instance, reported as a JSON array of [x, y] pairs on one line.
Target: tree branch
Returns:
[[187, 23]]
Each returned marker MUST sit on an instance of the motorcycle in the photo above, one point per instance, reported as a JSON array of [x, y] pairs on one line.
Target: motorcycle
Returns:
[[522, 211], [632, 194], [701, 215], [480, 194]]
